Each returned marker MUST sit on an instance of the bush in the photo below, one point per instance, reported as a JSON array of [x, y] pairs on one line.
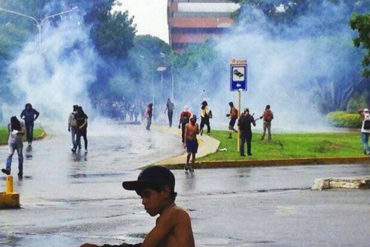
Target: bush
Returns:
[[345, 119]]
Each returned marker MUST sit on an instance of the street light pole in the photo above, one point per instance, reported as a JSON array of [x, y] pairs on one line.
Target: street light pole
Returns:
[[38, 23]]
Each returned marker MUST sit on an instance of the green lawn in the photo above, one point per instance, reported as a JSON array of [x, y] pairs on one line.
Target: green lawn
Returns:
[[285, 146], [37, 133]]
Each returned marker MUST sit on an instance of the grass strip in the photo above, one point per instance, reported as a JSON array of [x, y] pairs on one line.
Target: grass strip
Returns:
[[288, 145]]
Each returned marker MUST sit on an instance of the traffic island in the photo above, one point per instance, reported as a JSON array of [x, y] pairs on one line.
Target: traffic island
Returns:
[[342, 183], [9, 198]]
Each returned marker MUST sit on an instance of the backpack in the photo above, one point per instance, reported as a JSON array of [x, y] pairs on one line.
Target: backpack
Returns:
[[73, 120], [268, 116], [184, 119], [367, 122], [210, 114]]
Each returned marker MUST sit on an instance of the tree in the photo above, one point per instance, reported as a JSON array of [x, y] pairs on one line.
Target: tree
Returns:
[[361, 23]]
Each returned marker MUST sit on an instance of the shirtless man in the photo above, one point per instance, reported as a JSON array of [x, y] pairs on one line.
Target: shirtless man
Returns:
[[191, 142], [156, 186]]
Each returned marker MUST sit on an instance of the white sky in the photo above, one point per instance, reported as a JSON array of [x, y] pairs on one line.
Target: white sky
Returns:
[[150, 16]]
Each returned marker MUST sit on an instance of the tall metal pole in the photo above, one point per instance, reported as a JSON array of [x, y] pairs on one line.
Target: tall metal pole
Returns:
[[239, 106]]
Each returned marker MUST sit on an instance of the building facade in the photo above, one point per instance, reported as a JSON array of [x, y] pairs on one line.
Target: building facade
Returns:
[[194, 21]]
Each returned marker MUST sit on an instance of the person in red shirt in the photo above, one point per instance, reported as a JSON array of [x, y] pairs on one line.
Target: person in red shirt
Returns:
[[184, 119], [267, 118]]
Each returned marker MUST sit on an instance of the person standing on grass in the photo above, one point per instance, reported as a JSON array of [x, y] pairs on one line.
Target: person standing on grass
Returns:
[[233, 115], [267, 118], [205, 115], [244, 123], [29, 115], [191, 142], [365, 130], [17, 129]]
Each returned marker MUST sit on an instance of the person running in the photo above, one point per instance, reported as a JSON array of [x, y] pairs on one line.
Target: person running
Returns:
[[81, 120], [169, 108], [156, 187], [72, 126], [184, 119], [233, 115], [191, 131], [206, 114], [29, 115], [267, 118], [365, 130], [244, 123], [17, 129], [149, 116]]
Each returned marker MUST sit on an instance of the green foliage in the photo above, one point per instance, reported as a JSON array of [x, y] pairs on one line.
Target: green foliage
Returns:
[[344, 119], [361, 23], [4, 134], [114, 37], [358, 101], [285, 146]]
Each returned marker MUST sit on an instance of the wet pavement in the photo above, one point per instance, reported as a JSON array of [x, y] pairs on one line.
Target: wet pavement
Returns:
[[67, 199]]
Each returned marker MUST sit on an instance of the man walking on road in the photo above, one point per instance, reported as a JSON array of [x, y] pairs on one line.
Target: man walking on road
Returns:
[[184, 119], [267, 118], [244, 123], [16, 131], [72, 126], [29, 115], [169, 108], [191, 131]]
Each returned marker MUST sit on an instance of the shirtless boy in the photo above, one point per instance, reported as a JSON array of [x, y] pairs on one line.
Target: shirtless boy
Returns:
[[156, 186], [191, 142]]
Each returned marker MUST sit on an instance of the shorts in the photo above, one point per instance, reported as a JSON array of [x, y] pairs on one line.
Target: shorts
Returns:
[[192, 146], [232, 122]]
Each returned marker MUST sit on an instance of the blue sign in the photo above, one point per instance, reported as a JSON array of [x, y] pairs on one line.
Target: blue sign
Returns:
[[238, 76]]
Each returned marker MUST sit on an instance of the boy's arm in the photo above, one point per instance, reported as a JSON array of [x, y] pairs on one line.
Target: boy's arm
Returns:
[[37, 114], [160, 231]]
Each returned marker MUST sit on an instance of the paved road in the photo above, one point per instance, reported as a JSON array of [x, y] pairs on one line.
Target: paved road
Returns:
[[68, 200]]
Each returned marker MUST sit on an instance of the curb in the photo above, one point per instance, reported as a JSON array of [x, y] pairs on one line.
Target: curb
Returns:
[[274, 162]]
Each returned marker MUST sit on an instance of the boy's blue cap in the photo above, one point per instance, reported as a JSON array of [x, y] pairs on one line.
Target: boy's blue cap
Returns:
[[154, 175]]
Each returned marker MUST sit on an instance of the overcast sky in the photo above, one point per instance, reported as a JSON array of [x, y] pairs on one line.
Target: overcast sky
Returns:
[[150, 16]]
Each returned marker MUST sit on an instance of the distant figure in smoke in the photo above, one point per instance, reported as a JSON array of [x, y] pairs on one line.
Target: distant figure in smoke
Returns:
[[365, 130], [169, 108], [191, 131], [29, 115], [206, 114], [244, 123], [17, 129], [149, 115], [81, 120], [267, 118], [184, 119], [72, 126], [233, 115]]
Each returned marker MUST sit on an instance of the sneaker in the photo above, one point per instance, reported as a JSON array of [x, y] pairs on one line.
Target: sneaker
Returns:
[[20, 175], [191, 169], [73, 150], [186, 168], [6, 171]]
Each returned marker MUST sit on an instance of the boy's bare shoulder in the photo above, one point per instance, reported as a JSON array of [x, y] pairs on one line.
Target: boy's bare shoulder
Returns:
[[180, 213]]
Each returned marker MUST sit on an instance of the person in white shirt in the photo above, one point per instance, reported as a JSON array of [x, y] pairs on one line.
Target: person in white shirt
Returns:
[[17, 129], [365, 130]]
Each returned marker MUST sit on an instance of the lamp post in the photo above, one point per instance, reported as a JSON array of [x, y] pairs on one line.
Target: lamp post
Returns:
[[161, 69], [39, 23]]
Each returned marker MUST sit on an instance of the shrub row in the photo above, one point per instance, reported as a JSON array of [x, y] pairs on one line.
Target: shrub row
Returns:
[[344, 119]]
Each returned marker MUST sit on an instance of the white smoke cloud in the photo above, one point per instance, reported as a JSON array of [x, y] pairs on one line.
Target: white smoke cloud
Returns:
[[55, 74]]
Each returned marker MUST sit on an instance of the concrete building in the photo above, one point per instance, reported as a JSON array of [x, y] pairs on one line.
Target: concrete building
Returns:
[[195, 21]]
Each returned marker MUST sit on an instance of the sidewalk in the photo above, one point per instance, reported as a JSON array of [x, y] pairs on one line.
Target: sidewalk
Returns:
[[207, 145]]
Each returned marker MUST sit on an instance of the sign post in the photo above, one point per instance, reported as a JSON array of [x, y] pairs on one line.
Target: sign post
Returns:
[[238, 82]]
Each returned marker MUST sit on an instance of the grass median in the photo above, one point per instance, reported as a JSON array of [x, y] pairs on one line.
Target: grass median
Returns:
[[289, 145], [4, 134]]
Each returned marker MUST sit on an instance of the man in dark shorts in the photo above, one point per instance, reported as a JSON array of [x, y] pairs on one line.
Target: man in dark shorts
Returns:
[[233, 115], [191, 142]]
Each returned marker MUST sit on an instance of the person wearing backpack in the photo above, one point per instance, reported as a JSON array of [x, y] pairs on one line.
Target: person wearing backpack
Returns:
[[205, 115], [267, 118], [184, 119], [72, 126], [365, 130]]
